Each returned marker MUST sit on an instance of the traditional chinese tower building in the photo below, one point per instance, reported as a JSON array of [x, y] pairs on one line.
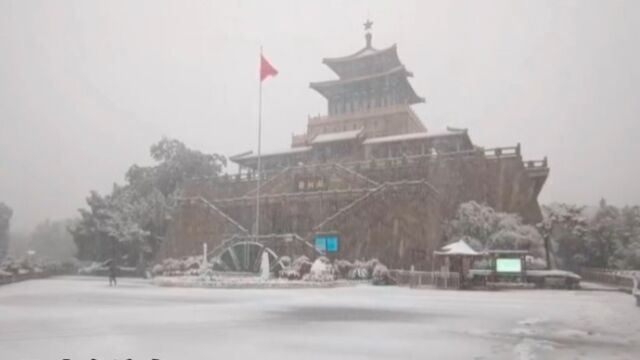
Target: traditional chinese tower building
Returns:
[[372, 93], [368, 171]]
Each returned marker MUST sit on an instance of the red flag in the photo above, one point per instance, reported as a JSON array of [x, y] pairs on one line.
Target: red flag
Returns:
[[266, 69]]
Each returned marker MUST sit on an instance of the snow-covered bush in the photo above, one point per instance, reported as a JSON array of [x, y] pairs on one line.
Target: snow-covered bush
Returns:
[[193, 263], [27, 266], [16, 266], [61, 267], [101, 269], [321, 270], [179, 267], [289, 273], [207, 273], [362, 270], [157, 269], [381, 275], [92, 268], [535, 263], [343, 268], [358, 273], [371, 264], [302, 265], [284, 261]]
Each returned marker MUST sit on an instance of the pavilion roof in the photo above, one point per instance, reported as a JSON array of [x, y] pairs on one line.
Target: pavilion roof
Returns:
[[458, 248]]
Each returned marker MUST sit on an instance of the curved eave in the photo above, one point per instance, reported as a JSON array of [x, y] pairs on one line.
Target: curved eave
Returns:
[[328, 88], [318, 86], [343, 66], [363, 53]]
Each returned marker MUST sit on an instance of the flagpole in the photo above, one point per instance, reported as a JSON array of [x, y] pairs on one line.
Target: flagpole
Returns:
[[259, 171]]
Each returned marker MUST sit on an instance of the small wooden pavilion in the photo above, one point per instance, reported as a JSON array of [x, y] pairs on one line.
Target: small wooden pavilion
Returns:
[[457, 257]]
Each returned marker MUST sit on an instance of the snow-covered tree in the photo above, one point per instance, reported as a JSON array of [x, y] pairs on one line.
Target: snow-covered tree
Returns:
[[563, 229], [176, 163], [608, 239], [511, 234], [474, 220], [604, 236], [131, 221], [485, 229], [628, 254]]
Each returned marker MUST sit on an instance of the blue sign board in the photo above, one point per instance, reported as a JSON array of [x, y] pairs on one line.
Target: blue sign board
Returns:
[[332, 244], [320, 244], [326, 243]]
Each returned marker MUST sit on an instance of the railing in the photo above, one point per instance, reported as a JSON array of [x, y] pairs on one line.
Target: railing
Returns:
[[322, 119], [503, 151], [298, 139], [624, 280], [388, 162], [241, 176], [403, 160], [448, 280], [536, 164], [292, 195]]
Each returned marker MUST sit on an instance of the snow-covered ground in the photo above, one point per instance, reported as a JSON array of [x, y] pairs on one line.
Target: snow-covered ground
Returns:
[[82, 318]]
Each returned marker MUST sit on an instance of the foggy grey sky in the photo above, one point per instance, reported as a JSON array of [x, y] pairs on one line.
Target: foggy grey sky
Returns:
[[87, 86]]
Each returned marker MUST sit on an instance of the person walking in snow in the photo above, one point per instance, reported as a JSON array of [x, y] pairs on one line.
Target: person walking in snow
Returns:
[[113, 271]]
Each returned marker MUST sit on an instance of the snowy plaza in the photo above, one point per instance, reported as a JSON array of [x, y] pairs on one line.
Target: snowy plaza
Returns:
[[81, 318]]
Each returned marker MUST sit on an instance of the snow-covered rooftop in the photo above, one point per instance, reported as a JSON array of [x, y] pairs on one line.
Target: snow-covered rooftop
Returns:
[[459, 247], [410, 136], [294, 150], [364, 52], [339, 136], [331, 83]]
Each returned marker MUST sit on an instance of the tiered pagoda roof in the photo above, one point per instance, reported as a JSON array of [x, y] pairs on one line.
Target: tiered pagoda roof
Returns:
[[378, 75], [333, 88], [343, 66]]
